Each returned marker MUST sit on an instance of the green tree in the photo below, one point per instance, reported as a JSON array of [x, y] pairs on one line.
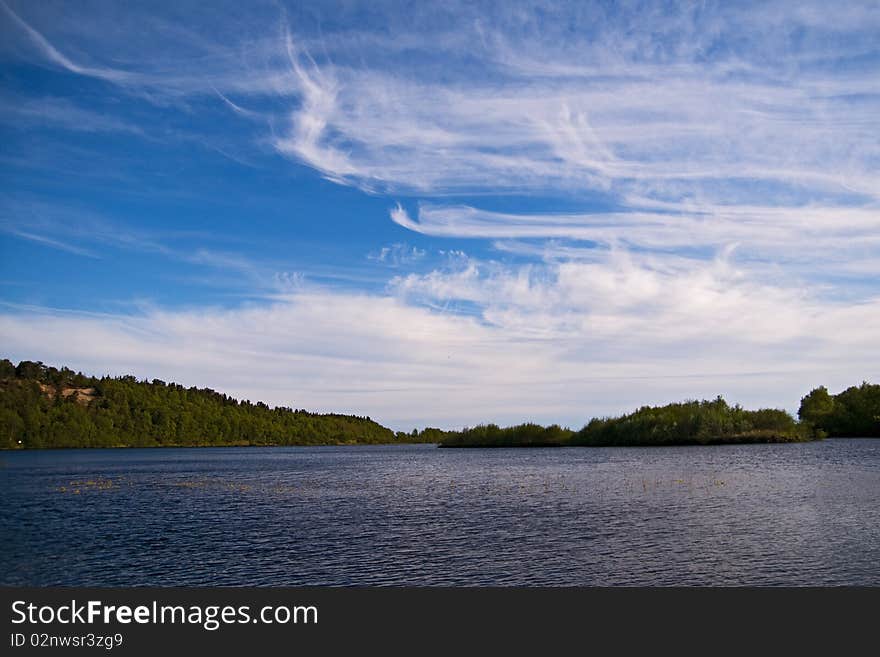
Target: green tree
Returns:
[[7, 369], [816, 407]]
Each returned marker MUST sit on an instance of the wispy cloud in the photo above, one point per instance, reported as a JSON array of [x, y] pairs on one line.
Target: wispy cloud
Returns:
[[817, 237], [718, 129], [48, 241], [398, 254], [53, 55], [716, 104], [47, 111]]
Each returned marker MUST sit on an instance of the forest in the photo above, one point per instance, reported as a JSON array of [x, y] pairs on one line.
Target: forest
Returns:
[[47, 407]]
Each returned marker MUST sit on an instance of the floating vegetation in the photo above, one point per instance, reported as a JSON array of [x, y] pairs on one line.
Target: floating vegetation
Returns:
[[76, 487], [214, 484]]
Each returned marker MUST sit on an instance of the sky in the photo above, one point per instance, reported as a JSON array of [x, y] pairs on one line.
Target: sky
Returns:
[[441, 214]]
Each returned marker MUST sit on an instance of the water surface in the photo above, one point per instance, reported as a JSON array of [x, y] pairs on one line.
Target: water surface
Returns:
[[799, 514]]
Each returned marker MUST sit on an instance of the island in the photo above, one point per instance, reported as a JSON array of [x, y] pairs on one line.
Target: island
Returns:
[[686, 423]]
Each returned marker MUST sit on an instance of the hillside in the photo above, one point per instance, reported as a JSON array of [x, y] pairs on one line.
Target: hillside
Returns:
[[46, 407]]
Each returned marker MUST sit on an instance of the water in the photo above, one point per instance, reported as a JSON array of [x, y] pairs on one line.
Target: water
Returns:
[[806, 514]]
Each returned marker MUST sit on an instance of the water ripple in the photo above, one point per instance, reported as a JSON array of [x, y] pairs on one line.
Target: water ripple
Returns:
[[752, 514]]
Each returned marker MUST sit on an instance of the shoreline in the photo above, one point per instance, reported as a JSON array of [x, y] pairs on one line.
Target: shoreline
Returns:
[[256, 445], [43, 407], [442, 446]]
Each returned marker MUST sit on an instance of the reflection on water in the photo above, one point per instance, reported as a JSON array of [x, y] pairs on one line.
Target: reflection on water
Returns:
[[803, 514]]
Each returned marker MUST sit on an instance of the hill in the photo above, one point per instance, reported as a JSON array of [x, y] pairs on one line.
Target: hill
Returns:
[[46, 407]]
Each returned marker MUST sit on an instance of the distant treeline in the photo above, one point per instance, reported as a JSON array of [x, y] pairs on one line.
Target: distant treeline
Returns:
[[854, 412], [44, 407], [688, 423]]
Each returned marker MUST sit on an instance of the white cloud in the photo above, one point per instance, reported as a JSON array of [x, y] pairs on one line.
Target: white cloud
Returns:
[[626, 128], [771, 230], [558, 343], [398, 255], [717, 103], [49, 241], [52, 54], [22, 111]]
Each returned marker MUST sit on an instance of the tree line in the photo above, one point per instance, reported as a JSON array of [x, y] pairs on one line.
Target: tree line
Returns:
[[46, 407], [855, 412]]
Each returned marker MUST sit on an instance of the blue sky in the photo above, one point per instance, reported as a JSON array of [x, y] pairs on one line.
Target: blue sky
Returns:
[[440, 215]]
